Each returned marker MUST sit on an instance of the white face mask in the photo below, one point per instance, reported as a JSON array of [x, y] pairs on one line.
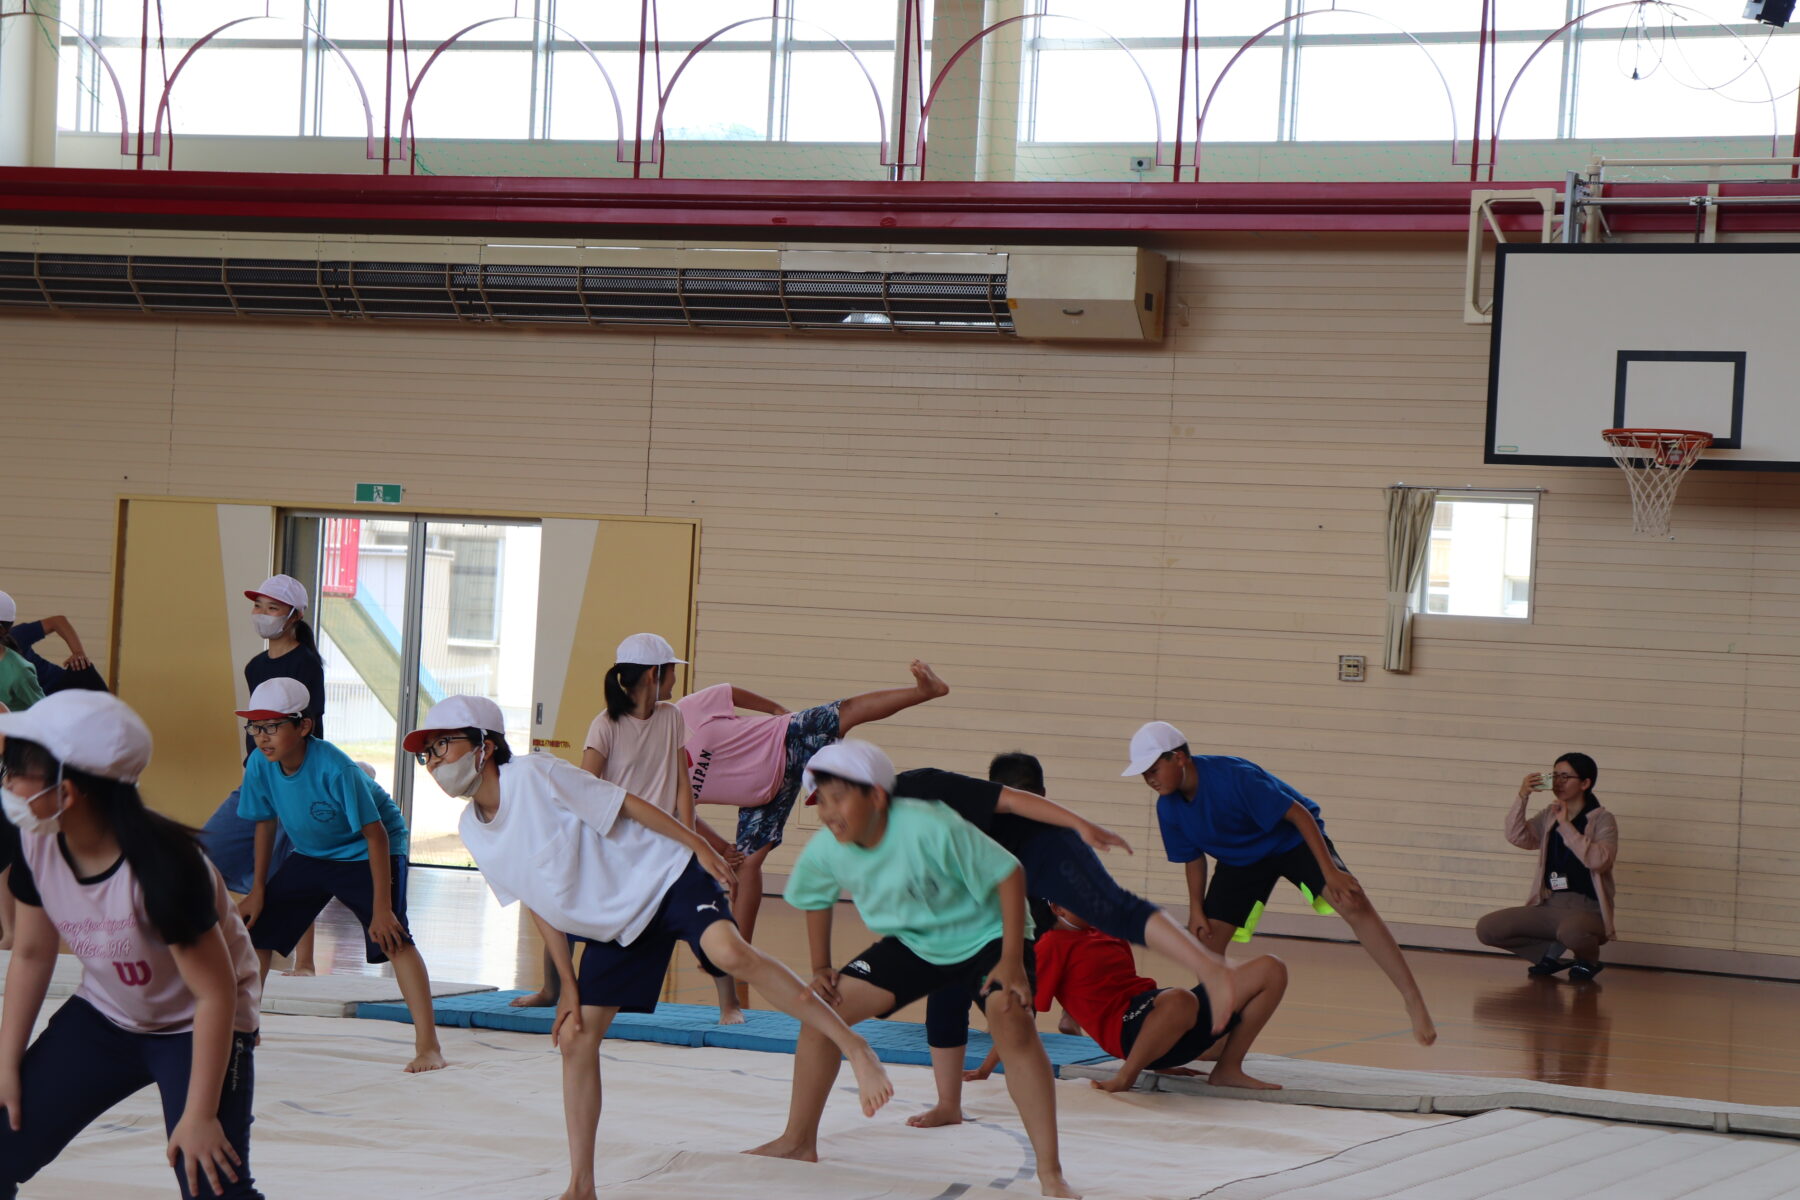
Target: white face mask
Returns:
[[459, 779], [268, 625], [18, 810]]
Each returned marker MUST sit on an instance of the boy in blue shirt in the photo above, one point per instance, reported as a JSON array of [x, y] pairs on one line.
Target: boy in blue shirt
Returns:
[[1260, 830], [350, 842], [949, 905]]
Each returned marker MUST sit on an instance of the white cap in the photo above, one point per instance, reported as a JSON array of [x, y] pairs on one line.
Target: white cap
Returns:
[[278, 697], [1152, 740], [859, 762], [282, 588], [9, 612], [456, 712], [646, 650], [94, 732]]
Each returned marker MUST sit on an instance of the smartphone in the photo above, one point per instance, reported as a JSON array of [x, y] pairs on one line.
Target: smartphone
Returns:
[[1544, 781]]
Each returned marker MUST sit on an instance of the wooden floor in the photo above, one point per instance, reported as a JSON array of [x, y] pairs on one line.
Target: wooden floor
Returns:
[[1636, 1030]]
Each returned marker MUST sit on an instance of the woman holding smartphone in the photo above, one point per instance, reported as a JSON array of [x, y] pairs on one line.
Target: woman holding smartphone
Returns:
[[1571, 903]]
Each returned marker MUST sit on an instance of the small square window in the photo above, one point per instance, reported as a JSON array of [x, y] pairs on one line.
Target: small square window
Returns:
[[1481, 558]]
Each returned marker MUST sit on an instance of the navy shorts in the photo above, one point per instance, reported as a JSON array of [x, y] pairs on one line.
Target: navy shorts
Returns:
[[297, 893], [1192, 1044], [809, 731], [890, 966], [629, 978], [1237, 895]]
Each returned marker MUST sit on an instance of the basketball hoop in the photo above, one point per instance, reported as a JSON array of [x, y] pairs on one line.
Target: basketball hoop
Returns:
[[1654, 461]]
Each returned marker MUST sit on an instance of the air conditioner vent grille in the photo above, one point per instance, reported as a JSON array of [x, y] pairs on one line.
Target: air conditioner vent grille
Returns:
[[509, 293]]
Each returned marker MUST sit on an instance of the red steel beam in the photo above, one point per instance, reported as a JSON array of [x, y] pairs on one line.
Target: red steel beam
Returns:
[[795, 208]]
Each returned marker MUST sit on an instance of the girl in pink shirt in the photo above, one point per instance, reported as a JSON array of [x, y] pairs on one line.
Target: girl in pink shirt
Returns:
[[169, 989]]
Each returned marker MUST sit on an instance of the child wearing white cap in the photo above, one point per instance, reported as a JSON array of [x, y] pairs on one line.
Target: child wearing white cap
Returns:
[[19, 686], [1261, 830], [594, 864], [949, 905], [350, 844], [169, 991], [278, 610]]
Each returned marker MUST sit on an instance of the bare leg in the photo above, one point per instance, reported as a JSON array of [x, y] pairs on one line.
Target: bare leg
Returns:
[[1261, 983], [749, 894], [1164, 936], [729, 951], [816, 1063], [1031, 1084], [1379, 941], [947, 1070], [546, 996], [581, 1097], [730, 1011], [878, 706], [415, 989], [303, 962], [1170, 1019]]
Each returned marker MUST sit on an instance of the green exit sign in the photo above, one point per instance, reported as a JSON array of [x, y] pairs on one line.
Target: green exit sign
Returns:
[[379, 493]]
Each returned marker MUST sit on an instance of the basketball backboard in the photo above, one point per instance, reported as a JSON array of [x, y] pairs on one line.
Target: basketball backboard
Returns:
[[1701, 337]]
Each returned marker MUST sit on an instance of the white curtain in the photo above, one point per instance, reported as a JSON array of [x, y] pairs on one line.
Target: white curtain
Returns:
[[1408, 539]]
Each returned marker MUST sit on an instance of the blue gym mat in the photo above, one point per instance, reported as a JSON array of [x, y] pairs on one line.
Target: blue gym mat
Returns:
[[901, 1042]]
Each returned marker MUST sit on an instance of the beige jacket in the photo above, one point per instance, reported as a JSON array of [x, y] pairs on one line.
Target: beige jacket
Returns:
[[1597, 849]]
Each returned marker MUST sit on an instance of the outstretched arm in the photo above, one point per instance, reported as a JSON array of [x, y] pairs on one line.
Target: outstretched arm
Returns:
[[198, 1140], [658, 821], [1341, 887], [1041, 808]]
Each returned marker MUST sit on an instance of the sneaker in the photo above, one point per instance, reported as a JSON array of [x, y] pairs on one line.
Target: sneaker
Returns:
[[1546, 966], [1584, 972]]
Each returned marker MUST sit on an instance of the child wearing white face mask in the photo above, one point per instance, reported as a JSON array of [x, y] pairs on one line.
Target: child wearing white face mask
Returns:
[[278, 610], [169, 990], [595, 864]]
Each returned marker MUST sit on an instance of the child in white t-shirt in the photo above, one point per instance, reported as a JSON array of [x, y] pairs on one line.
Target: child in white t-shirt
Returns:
[[170, 984], [595, 864]]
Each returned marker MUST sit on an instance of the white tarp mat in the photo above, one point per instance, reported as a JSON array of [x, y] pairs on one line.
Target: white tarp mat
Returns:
[[336, 1116], [1530, 1156]]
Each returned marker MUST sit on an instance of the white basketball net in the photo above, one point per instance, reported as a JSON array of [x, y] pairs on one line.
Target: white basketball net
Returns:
[[1654, 462]]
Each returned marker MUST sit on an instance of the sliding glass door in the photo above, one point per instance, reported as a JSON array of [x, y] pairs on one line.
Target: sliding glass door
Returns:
[[409, 610]]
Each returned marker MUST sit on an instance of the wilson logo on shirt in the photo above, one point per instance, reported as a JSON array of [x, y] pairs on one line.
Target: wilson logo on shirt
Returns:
[[133, 974]]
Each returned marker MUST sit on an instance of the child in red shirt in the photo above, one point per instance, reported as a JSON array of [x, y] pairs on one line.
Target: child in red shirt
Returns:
[[1094, 977]]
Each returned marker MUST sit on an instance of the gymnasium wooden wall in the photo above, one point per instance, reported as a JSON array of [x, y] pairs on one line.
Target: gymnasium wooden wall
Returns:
[[1079, 538]]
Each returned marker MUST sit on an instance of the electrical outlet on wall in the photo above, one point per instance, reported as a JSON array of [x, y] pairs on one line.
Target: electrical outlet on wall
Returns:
[[1352, 668]]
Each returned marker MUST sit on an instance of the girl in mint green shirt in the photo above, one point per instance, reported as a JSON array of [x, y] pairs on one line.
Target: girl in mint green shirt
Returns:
[[19, 687], [950, 906]]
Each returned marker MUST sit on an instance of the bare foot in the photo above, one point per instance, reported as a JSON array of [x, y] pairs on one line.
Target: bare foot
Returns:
[[538, 999], [928, 681], [1053, 1184], [731, 1016], [1067, 1025], [872, 1081], [426, 1060], [1118, 1083], [935, 1116], [301, 972], [1225, 1077], [580, 1192], [1424, 1032], [781, 1147]]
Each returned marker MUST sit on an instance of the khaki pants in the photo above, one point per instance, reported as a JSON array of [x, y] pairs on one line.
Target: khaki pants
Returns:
[[1565, 918]]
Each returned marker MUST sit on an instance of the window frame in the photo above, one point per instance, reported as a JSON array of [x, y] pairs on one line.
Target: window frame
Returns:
[[1420, 596]]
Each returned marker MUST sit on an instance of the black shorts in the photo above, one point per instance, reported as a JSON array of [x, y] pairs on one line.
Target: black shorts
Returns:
[[629, 978], [1237, 895], [1193, 1043], [301, 888], [890, 966]]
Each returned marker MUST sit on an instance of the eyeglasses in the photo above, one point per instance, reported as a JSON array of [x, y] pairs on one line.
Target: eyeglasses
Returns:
[[1561, 776], [436, 750], [258, 728]]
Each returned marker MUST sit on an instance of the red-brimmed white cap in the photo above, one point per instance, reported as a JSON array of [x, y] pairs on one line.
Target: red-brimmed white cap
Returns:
[[646, 650], [95, 732], [277, 698], [1152, 740], [859, 762], [283, 589], [453, 713]]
